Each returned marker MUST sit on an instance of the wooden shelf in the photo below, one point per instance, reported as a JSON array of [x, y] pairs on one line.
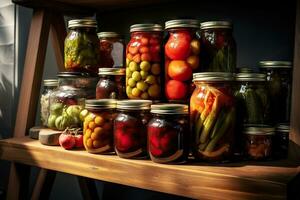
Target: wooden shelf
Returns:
[[265, 180]]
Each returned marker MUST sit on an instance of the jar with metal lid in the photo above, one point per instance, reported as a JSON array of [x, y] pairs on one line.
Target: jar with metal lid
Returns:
[[130, 128], [49, 86], [213, 116], [218, 47], [143, 62], [258, 142], [112, 50], [67, 101], [98, 125], [82, 46], [279, 82], [168, 133], [182, 49], [281, 140], [111, 84]]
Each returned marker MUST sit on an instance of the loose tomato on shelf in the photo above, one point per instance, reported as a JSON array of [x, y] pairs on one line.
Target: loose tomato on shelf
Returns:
[[179, 70], [176, 90], [178, 46]]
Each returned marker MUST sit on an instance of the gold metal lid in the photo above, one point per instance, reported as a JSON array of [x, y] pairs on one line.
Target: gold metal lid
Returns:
[[90, 23], [51, 82], [170, 109], [250, 77], [246, 70], [134, 104], [145, 27], [111, 71], [275, 64], [108, 35], [216, 24], [182, 23], [213, 76], [100, 103], [259, 129]]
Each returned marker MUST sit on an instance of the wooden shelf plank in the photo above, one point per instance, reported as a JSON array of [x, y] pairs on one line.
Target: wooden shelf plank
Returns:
[[196, 180]]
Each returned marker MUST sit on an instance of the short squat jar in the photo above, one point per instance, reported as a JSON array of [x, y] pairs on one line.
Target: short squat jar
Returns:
[[168, 133], [98, 126], [130, 128], [111, 84], [112, 50]]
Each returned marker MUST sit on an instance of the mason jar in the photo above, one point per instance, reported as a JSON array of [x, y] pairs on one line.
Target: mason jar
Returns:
[[143, 62], [130, 128], [213, 116], [168, 133], [182, 49], [82, 46], [281, 140], [218, 47]]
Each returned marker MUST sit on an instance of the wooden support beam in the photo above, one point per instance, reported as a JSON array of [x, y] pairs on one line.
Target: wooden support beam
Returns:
[[43, 184], [88, 188]]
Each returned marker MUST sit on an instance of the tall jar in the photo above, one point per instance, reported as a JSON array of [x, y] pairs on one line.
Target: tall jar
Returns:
[[130, 128], [112, 50], [98, 126], [82, 46], [49, 86], [143, 62], [67, 101], [212, 116], [279, 82], [182, 51], [168, 133], [111, 84], [218, 47]]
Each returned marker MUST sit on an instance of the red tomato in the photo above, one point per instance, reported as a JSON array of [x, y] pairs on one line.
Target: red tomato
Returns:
[[180, 70], [176, 90], [67, 141], [178, 46], [79, 141]]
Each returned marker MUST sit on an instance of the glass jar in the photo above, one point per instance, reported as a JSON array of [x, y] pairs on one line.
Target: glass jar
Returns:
[[279, 82], [143, 62], [218, 47], [111, 84], [98, 125], [212, 116], [168, 133], [130, 128], [67, 101], [258, 142], [82, 46], [49, 86], [112, 50], [182, 50], [281, 140]]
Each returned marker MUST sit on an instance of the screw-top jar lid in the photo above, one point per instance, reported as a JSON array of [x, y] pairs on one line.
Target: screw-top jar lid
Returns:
[[134, 104], [212, 76], [283, 127], [108, 35], [100, 103], [170, 109], [275, 64], [90, 23], [182, 23], [246, 70], [75, 75], [145, 27], [216, 24], [259, 129], [51, 82], [250, 77], [111, 71]]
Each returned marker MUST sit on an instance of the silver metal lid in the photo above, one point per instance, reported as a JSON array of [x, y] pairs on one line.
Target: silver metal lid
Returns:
[[170, 109], [145, 27], [246, 70], [250, 77], [213, 76], [259, 129], [216, 24], [182, 23], [111, 71], [100, 104], [90, 23], [108, 35], [283, 127], [275, 64], [51, 82], [134, 104]]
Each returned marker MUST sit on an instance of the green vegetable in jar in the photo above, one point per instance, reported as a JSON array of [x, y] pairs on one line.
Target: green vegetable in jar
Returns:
[[51, 121], [74, 110], [56, 108], [63, 121]]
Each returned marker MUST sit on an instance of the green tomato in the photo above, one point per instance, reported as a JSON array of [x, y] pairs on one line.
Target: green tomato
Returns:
[[145, 65], [136, 76], [141, 85], [51, 121], [56, 108], [62, 122], [131, 82], [74, 110], [144, 74], [133, 66]]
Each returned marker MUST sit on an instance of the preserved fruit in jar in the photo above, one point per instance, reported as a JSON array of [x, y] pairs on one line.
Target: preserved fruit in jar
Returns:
[[181, 58], [143, 62], [218, 47], [130, 128], [212, 116], [168, 133], [82, 46], [98, 126], [112, 50], [111, 84]]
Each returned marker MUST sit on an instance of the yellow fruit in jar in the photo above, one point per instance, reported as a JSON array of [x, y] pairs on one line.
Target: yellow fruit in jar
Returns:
[[193, 61], [85, 125], [92, 125], [154, 90], [133, 66], [88, 133], [131, 82], [136, 76], [99, 120], [128, 90], [141, 85], [145, 65], [96, 144], [89, 117], [98, 131], [136, 92], [150, 79], [144, 74], [155, 69], [83, 114], [128, 73], [89, 143], [127, 61], [195, 46], [145, 95]]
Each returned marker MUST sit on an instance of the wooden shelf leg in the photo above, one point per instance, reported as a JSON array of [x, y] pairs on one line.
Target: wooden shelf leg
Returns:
[[43, 184], [88, 188]]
